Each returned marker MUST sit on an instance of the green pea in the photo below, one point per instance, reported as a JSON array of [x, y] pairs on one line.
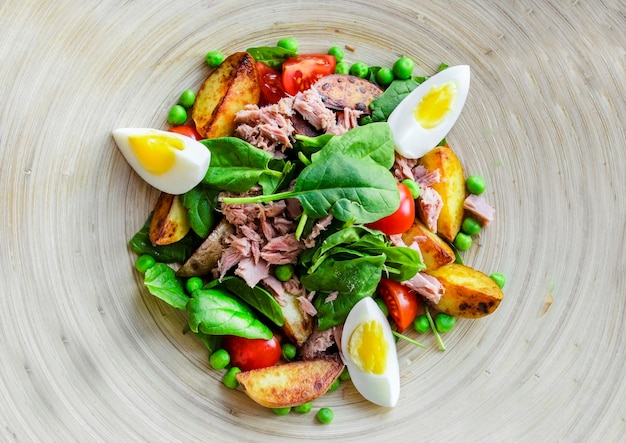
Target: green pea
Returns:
[[421, 324], [219, 359], [471, 226], [144, 262], [288, 43], [325, 415], [359, 69], [187, 98], [230, 379], [444, 322], [384, 77], [283, 272], [345, 375], [334, 386], [403, 68], [281, 411], [413, 186], [304, 408], [177, 115], [499, 278], [214, 58], [475, 184], [342, 68], [382, 305], [193, 283], [462, 241], [289, 351], [336, 52]]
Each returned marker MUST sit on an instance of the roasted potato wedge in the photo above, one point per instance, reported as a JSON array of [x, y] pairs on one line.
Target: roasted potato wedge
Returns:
[[435, 251], [298, 326], [468, 293], [291, 384], [341, 91], [205, 258], [451, 188], [170, 221], [227, 90]]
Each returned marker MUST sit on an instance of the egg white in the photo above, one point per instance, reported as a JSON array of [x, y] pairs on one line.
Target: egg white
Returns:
[[384, 389], [412, 140], [189, 168]]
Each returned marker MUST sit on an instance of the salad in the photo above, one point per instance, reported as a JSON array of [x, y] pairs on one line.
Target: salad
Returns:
[[311, 214]]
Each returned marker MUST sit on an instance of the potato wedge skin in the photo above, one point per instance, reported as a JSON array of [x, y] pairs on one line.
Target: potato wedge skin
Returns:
[[290, 384], [170, 221], [298, 326], [435, 251], [341, 91], [451, 188], [227, 90], [468, 293], [205, 258]]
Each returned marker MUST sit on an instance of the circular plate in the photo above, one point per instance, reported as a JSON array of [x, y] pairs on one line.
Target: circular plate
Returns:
[[88, 355]]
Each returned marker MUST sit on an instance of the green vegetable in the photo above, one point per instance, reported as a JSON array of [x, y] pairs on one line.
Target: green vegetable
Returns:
[[201, 204], [384, 77], [304, 408], [177, 252], [288, 43], [470, 226], [230, 379], [325, 415], [273, 56], [383, 106], [214, 58], [257, 297], [334, 386], [212, 342], [187, 98], [281, 411], [144, 262], [359, 69], [214, 312], [289, 351], [462, 241], [403, 68], [193, 283], [413, 187], [342, 68], [162, 282], [499, 278], [345, 375], [219, 359], [420, 324], [442, 346], [444, 322], [382, 305], [177, 115], [475, 184], [399, 336], [283, 272], [310, 145], [336, 52]]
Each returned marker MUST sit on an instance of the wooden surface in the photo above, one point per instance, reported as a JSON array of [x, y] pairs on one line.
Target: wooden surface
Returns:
[[86, 355]]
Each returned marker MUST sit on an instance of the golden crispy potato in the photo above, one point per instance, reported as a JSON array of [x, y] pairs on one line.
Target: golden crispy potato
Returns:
[[341, 91], [298, 326], [231, 86], [451, 188], [435, 251], [291, 384], [468, 293], [170, 221], [205, 258]]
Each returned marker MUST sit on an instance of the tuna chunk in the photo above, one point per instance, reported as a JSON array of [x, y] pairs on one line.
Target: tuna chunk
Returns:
[[427, 286], [429, 205], [478, 206]]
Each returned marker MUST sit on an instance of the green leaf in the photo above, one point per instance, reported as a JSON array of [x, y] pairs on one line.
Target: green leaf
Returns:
[[201, 202], [273, 56], [214, 312], [177, 252], [383, 106], [162, 282], [271, 182], [310, 145], [212, 342], [257, 297]]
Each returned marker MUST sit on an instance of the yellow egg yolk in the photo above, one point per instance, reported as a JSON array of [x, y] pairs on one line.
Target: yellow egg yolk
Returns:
[[368, 348], [155, 152], [435, 105]]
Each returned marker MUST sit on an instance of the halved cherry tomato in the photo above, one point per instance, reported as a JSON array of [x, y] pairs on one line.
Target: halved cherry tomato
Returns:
[[300, 72], [401, 220], [272, 89], [252, 353], [186, 130], [401, 301]]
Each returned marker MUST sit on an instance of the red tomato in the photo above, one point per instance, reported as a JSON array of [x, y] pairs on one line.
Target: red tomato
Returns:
[[402, 303], [186, 130], [271, 85], [401, 220], [300, 72], [252, 353]]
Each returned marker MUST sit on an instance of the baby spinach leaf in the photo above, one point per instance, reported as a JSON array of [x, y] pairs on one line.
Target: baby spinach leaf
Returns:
[[162, 282], [383, 106], [310, 145], [214, 312], [177, 252], [273, 56], [257, 297], [201, 202], [212, 342]]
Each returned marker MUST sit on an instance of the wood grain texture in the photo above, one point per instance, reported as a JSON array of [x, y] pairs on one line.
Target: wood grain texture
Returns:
[[86, 355]]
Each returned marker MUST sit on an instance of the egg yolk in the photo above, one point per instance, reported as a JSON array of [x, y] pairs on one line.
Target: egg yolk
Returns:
[[155, 152], [368, 348], [435, 105]]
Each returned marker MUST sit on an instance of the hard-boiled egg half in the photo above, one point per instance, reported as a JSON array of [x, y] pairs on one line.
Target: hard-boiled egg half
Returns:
[[368, 349], [172, 163], [428, 113]]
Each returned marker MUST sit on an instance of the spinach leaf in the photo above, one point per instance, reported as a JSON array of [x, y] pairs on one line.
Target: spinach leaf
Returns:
[[177, 252], [273, 182], [383, 106], [236, 165], [212, 342], [162, 282], [257, 297], [273, 56], [310, 145], [201, 203], [214, 312]]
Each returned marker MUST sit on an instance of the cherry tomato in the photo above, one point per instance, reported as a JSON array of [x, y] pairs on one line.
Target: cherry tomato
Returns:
[[252, 353], [401, 220], [272, 89], [186, 130], [402, 303], [300, 72]]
